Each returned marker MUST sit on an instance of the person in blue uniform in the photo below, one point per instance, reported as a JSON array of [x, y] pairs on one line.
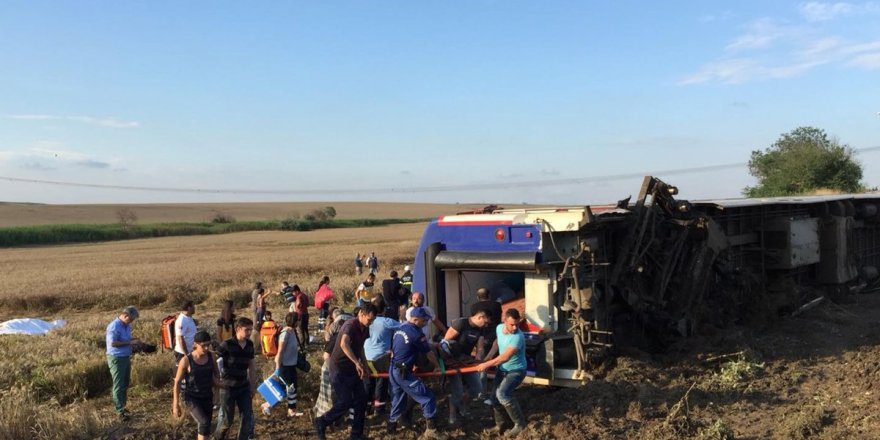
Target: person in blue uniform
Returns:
[[408, 343]]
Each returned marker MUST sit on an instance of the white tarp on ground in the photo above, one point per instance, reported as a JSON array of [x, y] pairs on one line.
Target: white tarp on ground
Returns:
[[28, 326]]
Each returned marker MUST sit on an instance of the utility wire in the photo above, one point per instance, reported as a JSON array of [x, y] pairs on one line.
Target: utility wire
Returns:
[[400, 190]]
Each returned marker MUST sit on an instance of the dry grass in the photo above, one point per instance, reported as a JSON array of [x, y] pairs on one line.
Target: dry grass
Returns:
[[44, 280], [57, 386], [20, 214]]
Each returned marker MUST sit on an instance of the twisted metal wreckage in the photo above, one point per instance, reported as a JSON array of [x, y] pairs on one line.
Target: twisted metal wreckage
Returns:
[[646, 273]]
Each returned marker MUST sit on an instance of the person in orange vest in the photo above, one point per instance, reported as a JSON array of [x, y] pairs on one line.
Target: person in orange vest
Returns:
[[269, 335]]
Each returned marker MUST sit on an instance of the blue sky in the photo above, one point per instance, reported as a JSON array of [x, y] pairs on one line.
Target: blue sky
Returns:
[[395, 100]]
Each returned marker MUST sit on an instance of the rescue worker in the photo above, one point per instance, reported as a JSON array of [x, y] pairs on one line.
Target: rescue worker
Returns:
[[377, 349], [466, 333], [347, 366], [406, 280], [418, 300], [365, 292], [511, 371], [409, 341]]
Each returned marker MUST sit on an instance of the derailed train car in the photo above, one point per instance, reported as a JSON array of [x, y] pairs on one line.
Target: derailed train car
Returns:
[[644, 273]]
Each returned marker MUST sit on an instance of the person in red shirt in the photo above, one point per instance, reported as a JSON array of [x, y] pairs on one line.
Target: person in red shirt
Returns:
[[323, 296]]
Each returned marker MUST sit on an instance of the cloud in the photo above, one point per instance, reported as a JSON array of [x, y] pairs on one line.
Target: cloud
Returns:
[[730, 71], [106, 121], [770, 49], [92, 163], [36, 166], [47, 155], [32, 117], [550, 172], [761, 33], [869, 61], [820, 11]]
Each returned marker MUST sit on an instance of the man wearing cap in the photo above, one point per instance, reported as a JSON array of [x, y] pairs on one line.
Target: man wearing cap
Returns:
[[418, 300], [119, 345], [407, 344], [406, 280]]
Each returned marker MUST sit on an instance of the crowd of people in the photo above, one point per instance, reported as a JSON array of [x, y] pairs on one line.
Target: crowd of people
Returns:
[[375, 358]]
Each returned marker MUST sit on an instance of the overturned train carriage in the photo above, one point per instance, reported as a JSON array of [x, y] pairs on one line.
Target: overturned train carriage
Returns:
[[643, 273]]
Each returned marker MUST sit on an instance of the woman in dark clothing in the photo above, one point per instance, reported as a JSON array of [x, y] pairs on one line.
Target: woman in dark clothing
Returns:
[[301, 307], [201, 374], [226, 322]]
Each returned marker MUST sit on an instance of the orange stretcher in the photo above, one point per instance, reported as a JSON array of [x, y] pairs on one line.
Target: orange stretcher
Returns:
[[442, 372]]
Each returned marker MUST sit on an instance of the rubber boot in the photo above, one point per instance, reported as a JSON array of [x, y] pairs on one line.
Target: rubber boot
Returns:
[[453, 415], [406, 419], [391, 428], [431, 432], [519, 419], [498, 415]]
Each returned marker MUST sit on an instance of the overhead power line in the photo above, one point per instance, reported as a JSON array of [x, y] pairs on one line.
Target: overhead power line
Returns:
[[398, 190]]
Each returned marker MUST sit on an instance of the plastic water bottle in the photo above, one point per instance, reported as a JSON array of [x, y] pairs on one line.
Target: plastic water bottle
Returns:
[[220, 366]]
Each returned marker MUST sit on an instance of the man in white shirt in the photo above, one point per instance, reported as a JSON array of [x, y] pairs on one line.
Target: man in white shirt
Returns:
[[417, 299], [184, 331]]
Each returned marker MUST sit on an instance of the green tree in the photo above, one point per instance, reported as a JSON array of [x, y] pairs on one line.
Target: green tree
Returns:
[[803, 161]]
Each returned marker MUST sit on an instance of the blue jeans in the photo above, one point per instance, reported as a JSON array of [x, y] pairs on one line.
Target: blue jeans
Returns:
[[348, 392], [412, 386], [458, 381], [229, 399], [504, 384]]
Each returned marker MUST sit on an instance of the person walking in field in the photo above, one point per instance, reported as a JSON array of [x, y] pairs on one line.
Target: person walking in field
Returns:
[[511, 371], [323, 296], [119, 345], [301, 307], [347, 372], [258, 303], [325, 393], [184, 331], [201, 373], [285, 361], [238, 381], [226, 322], [358, 264], [373, 263]]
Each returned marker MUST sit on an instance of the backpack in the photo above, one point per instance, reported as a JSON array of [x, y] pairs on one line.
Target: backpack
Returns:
[[166, 332], [269, 338]]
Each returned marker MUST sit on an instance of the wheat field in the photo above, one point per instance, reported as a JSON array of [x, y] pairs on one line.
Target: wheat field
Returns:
[[104, 276], [58, 386]]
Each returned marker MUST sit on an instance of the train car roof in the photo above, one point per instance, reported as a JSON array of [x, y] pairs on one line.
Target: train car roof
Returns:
[[790, 200]]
